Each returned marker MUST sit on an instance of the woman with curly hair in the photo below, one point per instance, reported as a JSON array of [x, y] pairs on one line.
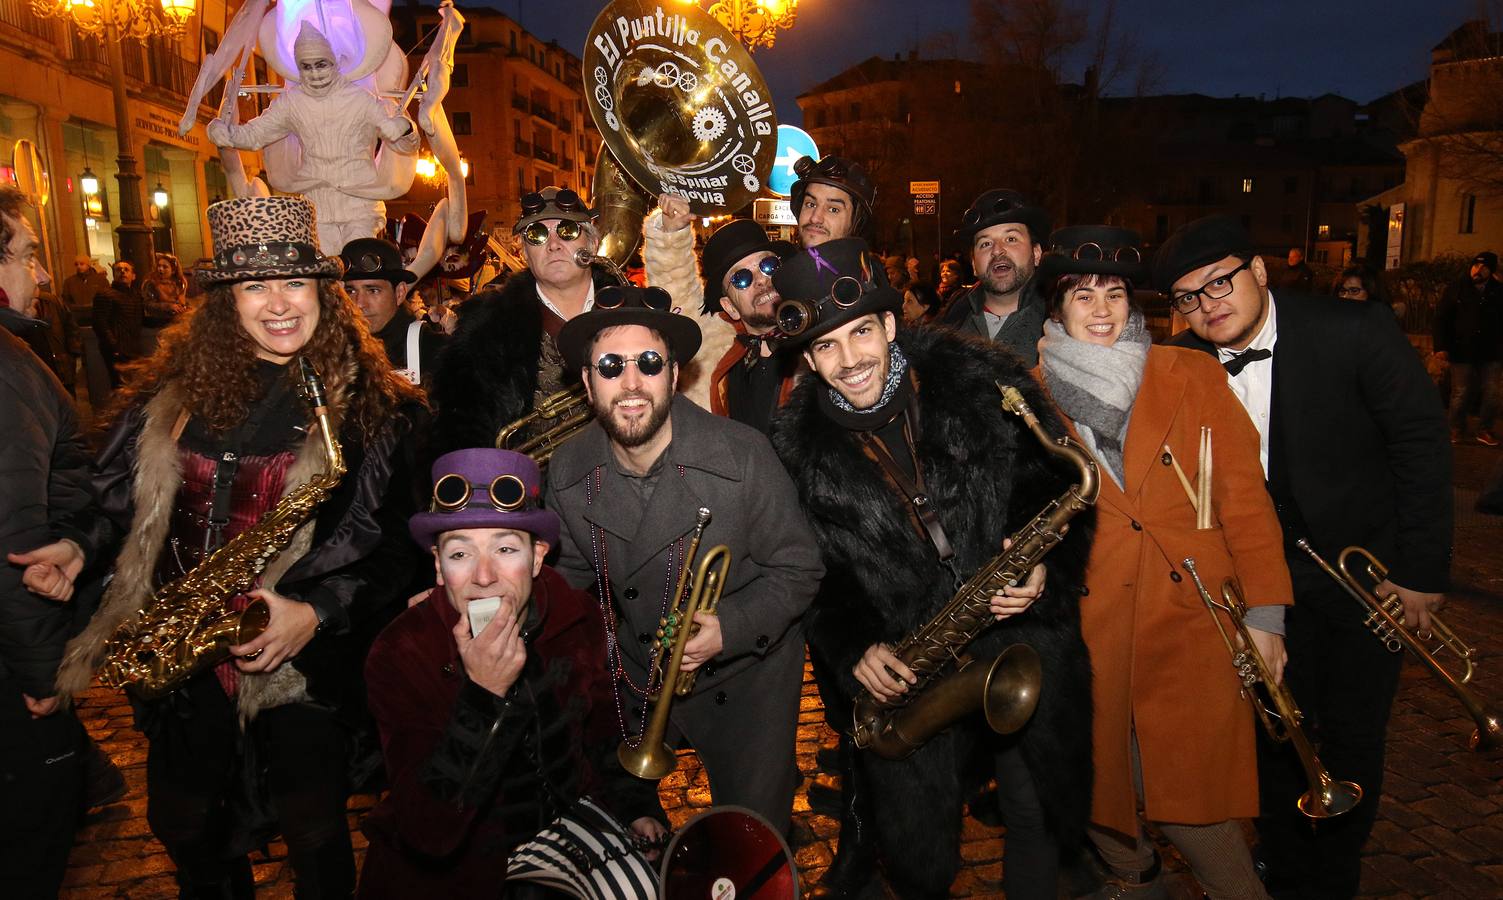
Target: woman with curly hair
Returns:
[[212, 435], [165, 293]]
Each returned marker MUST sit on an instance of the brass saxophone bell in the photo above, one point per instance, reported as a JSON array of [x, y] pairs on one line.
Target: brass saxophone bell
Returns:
[[1012, 688]]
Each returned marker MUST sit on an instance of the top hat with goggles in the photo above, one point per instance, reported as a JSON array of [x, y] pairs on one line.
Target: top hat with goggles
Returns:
[[485, 488], [1094, 250], [837, 172], [540, 207], [998, 207], [827, 286], [650, 307]]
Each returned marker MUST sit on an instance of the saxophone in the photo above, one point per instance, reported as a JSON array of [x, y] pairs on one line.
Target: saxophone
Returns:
[[185, 626], [1005, 689]]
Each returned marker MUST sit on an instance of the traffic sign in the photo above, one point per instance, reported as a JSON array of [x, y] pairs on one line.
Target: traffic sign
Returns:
[[925, 206], [769, 211], [794, 144], [923, 187]]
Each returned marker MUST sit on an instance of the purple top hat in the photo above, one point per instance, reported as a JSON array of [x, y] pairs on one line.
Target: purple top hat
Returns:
[[485, 488]]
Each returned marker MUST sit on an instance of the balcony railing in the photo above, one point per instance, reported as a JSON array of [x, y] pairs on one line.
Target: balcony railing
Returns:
[[544, 111], [565, 124], [519, 102], [543, 153], [18, 14], [568, 164], [523, 148]]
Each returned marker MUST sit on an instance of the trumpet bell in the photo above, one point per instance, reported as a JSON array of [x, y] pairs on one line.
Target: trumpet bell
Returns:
[[1336, 798], [647, 760], [1012, 688]]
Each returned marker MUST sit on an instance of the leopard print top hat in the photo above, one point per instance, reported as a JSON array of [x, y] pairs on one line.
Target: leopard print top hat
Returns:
[[265, 237]]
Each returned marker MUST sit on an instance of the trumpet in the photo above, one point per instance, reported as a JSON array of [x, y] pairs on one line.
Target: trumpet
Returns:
[[1385, 619], [649, 757], [584, 259], [1326, 796], [541, 432]]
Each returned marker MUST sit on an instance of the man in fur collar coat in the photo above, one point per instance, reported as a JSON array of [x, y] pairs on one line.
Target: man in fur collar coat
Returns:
[[916, 415], [503, 356]]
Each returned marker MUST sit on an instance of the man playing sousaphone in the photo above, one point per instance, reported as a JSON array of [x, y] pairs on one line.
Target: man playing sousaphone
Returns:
[[628, 489], [492, 730]]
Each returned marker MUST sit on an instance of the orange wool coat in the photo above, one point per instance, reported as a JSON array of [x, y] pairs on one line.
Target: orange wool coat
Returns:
[[1157, 660]]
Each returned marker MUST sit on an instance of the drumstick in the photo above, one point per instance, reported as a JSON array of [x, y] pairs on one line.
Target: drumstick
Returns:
[[1205, 478], [1184, 481]]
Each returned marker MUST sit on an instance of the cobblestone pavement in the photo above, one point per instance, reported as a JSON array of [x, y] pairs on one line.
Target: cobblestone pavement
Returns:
[[1440, 831]]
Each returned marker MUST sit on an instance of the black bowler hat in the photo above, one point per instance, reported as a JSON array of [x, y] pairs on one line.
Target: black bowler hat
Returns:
[[372, 258], [999, 206], [1487, 258], [837, 172], [1093, 250], [650, 307], [827, 286], [1199, 243], [730, 243]]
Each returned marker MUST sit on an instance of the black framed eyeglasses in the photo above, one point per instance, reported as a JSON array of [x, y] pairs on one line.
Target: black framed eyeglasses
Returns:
[[566, 200], [567, 230], [452, 493], [998, 207], [1091, 251], [615, 297], [829, 167], [613, 365], [1215, 289], [741, 279]]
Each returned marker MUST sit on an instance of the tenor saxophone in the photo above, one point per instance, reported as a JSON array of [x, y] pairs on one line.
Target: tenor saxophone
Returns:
[[950, 683], [187, 626]]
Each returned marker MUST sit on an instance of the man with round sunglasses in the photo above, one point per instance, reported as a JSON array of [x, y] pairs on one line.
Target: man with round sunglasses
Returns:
[[832, 199], [376, 280], [913, 476], [493, 728], [1007, 236], [750, 381], [1354, 446], [629, 489]]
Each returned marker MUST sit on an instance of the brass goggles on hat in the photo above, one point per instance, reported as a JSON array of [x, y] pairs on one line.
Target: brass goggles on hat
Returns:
[[1091, 251], [998, 207], [452, 493], [615, 297], [741, 279], [537, 233], [797, 316], [829, 167], [565, 200]]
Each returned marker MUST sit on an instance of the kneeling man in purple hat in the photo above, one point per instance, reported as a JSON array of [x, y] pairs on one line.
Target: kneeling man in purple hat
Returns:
[[495, 711]]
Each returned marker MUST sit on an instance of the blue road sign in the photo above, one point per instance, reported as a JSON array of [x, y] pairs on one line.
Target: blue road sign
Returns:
[[794, 144]]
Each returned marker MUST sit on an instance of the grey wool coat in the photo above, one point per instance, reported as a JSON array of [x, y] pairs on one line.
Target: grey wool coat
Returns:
[[743, 712]]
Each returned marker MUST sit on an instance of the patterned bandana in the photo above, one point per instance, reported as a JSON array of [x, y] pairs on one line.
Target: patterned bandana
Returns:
[[897, 367]]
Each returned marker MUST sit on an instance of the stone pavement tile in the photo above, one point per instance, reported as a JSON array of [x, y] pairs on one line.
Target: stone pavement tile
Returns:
[[979, 881], [1459, 876], [1400, 787], [1400, 814], [1446, 812], [1488, 838], [133, 870], [1403, 874], [1479, 802], [1495, 872], [1452, 844], [1394, 839]]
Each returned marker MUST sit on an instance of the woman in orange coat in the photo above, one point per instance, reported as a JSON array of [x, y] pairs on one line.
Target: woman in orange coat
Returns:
[[1171, 726]]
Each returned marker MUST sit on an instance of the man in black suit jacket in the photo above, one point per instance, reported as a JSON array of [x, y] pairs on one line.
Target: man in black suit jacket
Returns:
[[1356, 451]]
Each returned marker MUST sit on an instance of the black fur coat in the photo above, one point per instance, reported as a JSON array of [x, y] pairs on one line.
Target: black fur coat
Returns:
[[488, 372], [987, 476]]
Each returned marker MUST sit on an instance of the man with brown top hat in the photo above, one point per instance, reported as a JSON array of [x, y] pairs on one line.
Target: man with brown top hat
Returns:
[[750, 382], [832, 199], [1353, 443], [1007, 236], [629, 490], [914, 476], [493, 729], [376, 280]]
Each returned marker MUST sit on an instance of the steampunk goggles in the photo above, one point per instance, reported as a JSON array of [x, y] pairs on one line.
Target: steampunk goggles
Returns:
[[565, 200], [536, 234], [797, 316], [452, 493]]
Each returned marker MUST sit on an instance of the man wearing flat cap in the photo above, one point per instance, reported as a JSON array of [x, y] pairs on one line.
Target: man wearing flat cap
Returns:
[[750, 382], [832, 199], [913, 475], [1353, 444], [1007, 236], [494, 728], [378, 283], [1469, 336], [629, 490]]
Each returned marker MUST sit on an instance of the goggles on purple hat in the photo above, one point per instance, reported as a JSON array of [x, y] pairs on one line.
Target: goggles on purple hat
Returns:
[[485, 488]]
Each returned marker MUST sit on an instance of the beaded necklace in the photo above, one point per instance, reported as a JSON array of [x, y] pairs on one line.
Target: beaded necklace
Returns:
[[600, 558]]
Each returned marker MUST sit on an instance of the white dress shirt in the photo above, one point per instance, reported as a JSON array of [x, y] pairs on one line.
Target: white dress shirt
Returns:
[[1254, 386], [589, 301]]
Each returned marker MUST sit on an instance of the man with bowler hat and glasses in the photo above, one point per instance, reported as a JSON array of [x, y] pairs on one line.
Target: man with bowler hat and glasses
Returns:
[[1007, 236], [1354, 446], [494, 707], [832, 199], [750, 381], [913, 475], [378, 283], [629, 490]]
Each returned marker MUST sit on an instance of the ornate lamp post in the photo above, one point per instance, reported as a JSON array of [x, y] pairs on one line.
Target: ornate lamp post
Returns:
[[111, 21], [755, 23]]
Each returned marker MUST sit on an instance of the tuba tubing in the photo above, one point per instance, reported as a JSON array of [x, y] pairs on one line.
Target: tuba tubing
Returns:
[[1326, 797], [1385, 620]]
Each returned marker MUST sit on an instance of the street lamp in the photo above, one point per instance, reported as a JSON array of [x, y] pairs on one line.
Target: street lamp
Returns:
[[159, 196], [111, 21], [89, 182], [754, 23]]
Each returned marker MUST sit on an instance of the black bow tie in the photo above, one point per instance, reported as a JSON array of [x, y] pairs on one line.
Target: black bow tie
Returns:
[[753, 344], [1236, 364]]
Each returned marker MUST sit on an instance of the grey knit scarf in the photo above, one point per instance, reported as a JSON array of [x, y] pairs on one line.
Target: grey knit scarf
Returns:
[[897, 367], [1096, 386]]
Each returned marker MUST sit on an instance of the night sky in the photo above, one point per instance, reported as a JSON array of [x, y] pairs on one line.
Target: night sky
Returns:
[[1305, 48]]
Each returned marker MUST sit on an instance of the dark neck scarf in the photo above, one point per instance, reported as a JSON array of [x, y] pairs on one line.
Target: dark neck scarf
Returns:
[[895, 392]]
